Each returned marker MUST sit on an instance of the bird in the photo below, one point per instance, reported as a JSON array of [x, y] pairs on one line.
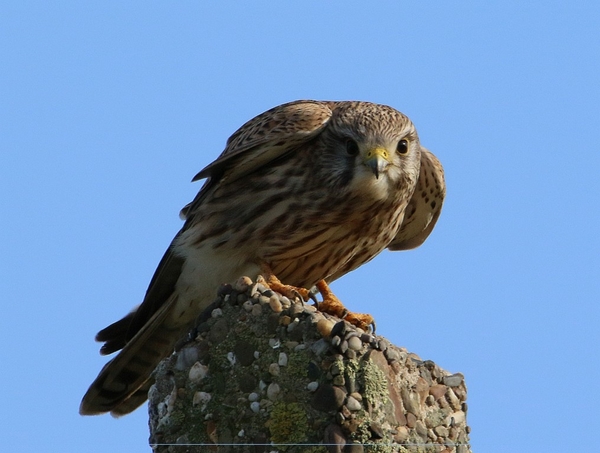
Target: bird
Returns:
[[301, 195]]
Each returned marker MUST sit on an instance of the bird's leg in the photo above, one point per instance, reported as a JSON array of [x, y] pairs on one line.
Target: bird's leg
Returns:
[[286, 290], [332, 305]]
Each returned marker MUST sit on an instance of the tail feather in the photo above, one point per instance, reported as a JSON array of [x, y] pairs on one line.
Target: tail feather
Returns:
[[134, 401], [125, 376], [115, 336]]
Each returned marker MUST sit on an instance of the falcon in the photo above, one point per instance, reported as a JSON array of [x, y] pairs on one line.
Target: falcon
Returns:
[[302, 194]]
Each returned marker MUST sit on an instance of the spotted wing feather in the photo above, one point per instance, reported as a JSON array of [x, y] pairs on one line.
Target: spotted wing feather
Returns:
[[425, 205], [261, 140]]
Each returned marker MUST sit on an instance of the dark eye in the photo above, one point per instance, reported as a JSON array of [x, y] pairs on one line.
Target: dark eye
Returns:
[[402, 147], [351, 147]]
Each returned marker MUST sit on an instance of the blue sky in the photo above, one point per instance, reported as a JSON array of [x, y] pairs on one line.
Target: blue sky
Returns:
[[108, 109]]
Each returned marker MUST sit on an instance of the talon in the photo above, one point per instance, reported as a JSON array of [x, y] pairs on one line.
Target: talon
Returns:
[[289, 291], [334, 306]]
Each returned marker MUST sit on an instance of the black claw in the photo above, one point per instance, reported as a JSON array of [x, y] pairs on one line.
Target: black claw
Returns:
[[373, 326], [339, 328], [312, 297]]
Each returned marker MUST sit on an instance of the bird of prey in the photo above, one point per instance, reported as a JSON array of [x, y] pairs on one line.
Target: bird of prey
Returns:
[[302, 194]]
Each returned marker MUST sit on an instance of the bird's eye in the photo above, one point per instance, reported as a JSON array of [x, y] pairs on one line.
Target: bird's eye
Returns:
[[351, 147], [402, 147]]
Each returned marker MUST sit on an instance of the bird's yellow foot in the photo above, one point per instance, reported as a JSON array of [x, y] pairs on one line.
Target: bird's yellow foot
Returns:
[[285, 290], [333, 306]]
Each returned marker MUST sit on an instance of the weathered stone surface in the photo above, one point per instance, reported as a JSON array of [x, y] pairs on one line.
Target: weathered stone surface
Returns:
[[262, 369], [437, 391], [244, 351], [328, 398], [353, 404], [454, 380]]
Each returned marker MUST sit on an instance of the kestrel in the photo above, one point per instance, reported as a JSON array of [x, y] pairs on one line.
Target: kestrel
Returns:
[[303, 194]]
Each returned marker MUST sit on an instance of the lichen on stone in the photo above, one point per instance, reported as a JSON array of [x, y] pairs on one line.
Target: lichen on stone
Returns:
[[287, 424], [375, 382]]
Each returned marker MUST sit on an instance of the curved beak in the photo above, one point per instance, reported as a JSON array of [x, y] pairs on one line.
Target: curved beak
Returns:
[[377, 159]]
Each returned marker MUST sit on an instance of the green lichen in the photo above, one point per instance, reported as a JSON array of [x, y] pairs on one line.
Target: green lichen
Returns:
[[287, 424], [177, 418], [297, 364], [437, 417], [362, 434], [375, 391], [352, 368], [375, 383]]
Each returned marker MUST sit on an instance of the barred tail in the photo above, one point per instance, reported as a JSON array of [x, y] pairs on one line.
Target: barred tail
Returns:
[[122, 385]]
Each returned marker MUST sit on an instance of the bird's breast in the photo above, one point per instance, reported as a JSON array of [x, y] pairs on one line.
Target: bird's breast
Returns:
[[321, 248], [304, 230]]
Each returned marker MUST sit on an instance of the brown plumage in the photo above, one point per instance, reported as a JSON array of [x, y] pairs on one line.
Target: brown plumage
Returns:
[[305, 192]]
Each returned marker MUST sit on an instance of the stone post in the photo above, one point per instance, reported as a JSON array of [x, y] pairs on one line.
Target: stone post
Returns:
[[261, 373]]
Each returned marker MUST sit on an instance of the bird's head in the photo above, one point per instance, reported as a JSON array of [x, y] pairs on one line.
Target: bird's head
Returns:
[[371, 149]]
